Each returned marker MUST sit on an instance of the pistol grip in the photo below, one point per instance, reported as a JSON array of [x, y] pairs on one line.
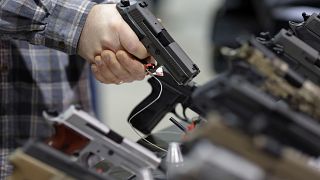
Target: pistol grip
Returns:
[[146, 120]]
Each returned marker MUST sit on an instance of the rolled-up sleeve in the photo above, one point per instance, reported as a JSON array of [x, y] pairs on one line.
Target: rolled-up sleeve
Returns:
[[53, 23]]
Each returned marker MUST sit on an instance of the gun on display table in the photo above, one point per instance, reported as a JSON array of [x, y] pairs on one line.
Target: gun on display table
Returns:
[[246, 107], [309, 30], [79, 133], [278, 79], [301, 57], [221, 151], [37, 160]]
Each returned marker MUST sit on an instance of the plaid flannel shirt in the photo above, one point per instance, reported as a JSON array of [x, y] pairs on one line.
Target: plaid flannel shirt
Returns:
[[35, 78]]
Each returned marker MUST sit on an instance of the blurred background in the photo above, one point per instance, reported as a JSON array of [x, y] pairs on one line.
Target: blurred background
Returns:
[[201, 28]]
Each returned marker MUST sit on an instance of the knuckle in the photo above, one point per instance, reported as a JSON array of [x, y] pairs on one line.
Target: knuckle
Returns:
[[122, 61], [111, 63], [114, 25], [106, 42], [105, 56]]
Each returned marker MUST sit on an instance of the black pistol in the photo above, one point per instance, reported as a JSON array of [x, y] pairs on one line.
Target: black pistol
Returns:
[[158, 41], [172, 95], [179, 69]]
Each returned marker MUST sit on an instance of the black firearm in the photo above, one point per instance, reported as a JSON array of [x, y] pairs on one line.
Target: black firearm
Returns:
[[300, 56], [172, 94], [179, 68], [249, 109], [309, 30], [158, 41]]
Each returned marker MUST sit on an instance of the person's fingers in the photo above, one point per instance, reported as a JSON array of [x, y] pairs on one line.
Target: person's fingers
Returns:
[[133, 66], [115, 67], [105, 72], [131, 43], [97, 74]]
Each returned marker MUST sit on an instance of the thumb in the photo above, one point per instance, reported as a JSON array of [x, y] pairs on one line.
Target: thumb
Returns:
[[131, 43]]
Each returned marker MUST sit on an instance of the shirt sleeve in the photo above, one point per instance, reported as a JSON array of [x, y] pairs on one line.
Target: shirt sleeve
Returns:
[[56, 24]]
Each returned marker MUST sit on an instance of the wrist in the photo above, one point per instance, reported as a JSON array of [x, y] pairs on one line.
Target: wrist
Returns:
[[65, 24], [84, 34]]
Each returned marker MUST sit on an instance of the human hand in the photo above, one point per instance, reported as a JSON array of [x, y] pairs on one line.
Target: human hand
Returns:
[[118, 68], [105, 29]]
